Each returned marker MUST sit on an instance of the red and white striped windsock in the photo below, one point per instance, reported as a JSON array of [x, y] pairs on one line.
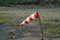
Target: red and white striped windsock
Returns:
[[30, 18]]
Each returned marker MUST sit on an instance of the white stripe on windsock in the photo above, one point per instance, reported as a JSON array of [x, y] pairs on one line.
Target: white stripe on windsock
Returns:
[[23, 22], [30, 18]]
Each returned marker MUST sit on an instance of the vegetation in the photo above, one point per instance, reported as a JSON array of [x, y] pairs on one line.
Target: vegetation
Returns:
[[48, 20], [28, 2]]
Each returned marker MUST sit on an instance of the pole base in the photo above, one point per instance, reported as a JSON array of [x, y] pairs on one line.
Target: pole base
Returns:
[[42, 39]]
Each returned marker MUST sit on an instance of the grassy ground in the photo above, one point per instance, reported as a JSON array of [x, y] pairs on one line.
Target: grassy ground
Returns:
[[49, 21]]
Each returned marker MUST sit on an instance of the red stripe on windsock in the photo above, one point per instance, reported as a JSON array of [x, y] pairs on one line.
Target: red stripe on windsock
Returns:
[[21, 24], [30, 18], [26, 21], [36, 15]]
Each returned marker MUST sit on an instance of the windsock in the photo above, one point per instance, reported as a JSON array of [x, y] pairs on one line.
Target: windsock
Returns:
[[30, 18]]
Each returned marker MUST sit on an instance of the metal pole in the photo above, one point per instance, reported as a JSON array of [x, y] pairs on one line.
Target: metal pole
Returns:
[[41, 29]]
